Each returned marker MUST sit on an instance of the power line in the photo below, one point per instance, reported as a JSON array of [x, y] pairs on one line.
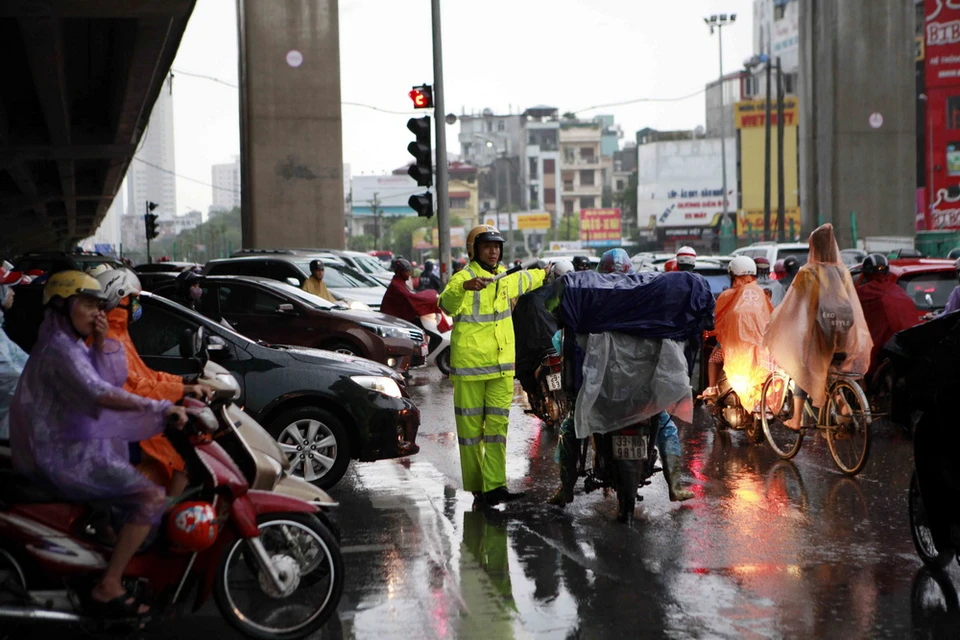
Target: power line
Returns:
[[637, 100], [173, 173]]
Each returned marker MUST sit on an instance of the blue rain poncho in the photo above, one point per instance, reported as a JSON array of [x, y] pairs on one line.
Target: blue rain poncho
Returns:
[[12, 361]]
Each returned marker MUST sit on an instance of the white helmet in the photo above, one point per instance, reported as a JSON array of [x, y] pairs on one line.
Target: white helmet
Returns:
[[686, 256], [117, 284], [559, 269], [742, 266]]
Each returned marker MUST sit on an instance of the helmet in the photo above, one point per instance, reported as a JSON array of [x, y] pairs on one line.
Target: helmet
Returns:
[[742, 266], [670, 265], [875, 264], [581, 263], [98, 269], [118, 284], [615, 261], [402, 265], [427, 264], [186, 279], [954, 253], [956, 265], [316, 264], [686, 257], [192, 526], [779, 269], [560, 268], [763, 264], [66, 284], [791, 265], [482, 233]]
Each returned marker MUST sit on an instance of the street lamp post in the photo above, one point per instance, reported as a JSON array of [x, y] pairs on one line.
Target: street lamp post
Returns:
[[718, 22]]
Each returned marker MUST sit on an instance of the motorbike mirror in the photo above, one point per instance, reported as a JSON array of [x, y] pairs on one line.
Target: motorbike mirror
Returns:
[[216, 343], [293, 282]]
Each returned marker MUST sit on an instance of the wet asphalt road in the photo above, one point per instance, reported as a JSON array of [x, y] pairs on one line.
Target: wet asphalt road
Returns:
[[767, 549]]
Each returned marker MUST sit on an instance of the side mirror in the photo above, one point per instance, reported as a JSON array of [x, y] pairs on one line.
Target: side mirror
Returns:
[[293, 282], [216, 343], [286, 309]]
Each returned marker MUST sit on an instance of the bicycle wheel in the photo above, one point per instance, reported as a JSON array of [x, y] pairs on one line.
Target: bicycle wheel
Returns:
[[776, 402], [848, 425]]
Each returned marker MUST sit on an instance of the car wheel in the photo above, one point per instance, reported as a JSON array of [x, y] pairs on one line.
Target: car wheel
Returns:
[[342, 347], [315, 442]]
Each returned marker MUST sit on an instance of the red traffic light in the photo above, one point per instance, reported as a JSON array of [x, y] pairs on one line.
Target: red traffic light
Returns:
[[422, 97]]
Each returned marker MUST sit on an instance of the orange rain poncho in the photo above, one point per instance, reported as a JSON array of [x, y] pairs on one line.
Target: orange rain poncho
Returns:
[[144, 381], [743, 312], [800, 338]]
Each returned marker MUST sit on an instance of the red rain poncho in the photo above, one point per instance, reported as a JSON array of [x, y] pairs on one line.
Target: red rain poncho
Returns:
[[821, 293], [743, 312], [399, 301], [887, 309]]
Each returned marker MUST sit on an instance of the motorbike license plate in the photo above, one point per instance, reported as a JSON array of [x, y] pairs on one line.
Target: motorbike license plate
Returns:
[[629, 448], [424, 349], [553, 381]]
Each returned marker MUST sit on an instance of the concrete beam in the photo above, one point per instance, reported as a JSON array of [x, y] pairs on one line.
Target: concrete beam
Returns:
[[95, 8]]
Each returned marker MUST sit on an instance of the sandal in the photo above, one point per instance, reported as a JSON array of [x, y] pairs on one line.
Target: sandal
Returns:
[[123, 606]]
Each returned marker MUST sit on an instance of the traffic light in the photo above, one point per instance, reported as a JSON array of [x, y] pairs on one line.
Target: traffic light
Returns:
[[150, 220], [422, 168], [422, 203], [422, 97]]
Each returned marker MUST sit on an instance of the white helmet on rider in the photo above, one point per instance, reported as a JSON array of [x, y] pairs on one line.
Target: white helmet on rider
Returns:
[[742, 266], [559, 269], [686, 258], [118, 284]]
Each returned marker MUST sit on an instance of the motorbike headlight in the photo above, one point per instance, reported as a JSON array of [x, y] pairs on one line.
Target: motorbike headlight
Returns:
[[227, 380], [380, 384], [386, 332]]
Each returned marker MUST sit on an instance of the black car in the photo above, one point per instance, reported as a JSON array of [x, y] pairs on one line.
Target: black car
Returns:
[[345, 407], [156, 273], [53, 261]]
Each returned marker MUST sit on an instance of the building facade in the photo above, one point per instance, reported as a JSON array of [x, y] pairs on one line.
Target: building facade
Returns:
[[541, 175], [225, 179], [151, 175], [580, 165]]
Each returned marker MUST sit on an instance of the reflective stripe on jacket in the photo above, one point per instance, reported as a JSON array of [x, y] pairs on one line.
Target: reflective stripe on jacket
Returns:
[[482, 343]]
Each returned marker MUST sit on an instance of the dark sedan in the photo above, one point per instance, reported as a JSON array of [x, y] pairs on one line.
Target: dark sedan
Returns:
[[279, 313], [323, 408]]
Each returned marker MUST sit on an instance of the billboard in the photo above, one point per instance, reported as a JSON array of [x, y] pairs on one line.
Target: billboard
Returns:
[[426, 238], [600, 227], [942, 43], [680, 183], [540, 221]]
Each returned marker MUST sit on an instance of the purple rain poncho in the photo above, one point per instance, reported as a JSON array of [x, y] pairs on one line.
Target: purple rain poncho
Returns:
[[63, 438]]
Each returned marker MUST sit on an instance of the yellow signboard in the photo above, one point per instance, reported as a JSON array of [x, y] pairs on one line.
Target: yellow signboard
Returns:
[[753, 113], [521, 221], [751, 221]]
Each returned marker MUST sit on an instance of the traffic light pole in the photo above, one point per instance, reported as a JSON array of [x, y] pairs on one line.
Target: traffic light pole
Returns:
[[439, 116]]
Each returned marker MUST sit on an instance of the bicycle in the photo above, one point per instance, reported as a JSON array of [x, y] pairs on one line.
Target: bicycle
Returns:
[[845, 418]]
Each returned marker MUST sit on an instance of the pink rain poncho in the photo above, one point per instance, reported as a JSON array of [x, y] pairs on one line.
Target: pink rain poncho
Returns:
[[64, 440], [742, 314], [819, 316]]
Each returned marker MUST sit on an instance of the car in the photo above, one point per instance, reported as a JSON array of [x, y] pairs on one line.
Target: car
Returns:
[[364, 263], [715, 273], [555, 257], [293, 267], [279, 313], [774, 251], [53, 261], [852, 257], [651, 261], [928, 281], [153, 273], [354, 409]]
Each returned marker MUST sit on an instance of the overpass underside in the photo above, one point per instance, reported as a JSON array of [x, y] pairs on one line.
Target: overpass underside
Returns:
[[77, 84]]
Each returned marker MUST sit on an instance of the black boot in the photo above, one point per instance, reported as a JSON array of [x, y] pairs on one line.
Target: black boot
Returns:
[[671, 471]]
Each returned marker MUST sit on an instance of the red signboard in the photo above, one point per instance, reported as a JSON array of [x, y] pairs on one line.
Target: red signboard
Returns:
[[942, 42], [942, 62], [600, 227]]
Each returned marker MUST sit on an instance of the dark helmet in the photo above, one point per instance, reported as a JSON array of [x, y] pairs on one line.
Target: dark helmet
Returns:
[[402, 265], [428, 264], [954, 253], [316, 265], [875, 264], [186, 279], [581, 263], [763, 264], [791, 265]]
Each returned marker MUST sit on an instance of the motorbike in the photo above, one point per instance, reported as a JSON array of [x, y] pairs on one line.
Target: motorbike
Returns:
[[729, 413], [926, 357], [547, 401], [269, 566], [438, 327], [623, 460]]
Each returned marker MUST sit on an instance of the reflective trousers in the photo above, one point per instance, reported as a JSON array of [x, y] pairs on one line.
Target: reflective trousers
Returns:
[[482, 411]]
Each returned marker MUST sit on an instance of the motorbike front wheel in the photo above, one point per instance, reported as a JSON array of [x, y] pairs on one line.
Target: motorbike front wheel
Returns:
[[308, 557], [921, 532], [443, 361]]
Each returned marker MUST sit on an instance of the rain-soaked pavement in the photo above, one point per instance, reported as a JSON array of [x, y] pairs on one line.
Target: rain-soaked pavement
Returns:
[[768, 548]]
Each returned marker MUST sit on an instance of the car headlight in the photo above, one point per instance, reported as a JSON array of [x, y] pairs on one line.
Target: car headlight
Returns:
[[386, 332], [356, 305], [230, 382], [380, 384]]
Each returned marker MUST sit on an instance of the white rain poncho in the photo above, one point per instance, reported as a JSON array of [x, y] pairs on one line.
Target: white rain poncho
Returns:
[[12, 361], [628, 379]]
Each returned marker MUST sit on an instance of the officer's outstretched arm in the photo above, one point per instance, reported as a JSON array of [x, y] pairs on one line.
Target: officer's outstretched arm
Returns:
[[523, 282]]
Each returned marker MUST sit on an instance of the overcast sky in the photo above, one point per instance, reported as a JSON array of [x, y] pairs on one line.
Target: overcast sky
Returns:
[[505, 55]]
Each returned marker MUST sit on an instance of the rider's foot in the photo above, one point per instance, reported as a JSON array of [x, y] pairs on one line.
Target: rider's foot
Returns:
[[561, 498], [671, 471], [710, 393], [113, 601]]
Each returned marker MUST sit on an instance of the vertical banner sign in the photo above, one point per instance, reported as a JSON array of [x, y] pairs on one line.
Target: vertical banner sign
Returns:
[[600, 227], [942, 61]]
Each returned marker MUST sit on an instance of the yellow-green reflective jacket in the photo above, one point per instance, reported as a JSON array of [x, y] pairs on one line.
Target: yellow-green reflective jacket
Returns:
[[482, 343]]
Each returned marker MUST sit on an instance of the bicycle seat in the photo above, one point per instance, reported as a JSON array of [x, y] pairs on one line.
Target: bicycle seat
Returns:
[[838, 358]]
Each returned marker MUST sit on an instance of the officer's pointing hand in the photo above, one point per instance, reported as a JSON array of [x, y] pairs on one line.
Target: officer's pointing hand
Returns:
[[476, 284]]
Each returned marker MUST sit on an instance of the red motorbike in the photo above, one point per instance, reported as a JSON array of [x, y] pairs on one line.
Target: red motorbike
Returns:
[[271, 564]]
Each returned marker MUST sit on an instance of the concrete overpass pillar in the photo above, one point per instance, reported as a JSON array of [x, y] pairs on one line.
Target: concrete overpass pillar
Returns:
[[856, 60], [290, 139]]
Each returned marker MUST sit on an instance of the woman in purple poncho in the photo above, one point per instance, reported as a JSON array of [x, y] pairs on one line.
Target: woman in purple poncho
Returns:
[[71, 421]]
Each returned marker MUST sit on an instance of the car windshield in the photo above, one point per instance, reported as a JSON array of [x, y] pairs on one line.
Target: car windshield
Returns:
[[718, 279], [338, 277], [929, 291], [369, 264], [800, 254]]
